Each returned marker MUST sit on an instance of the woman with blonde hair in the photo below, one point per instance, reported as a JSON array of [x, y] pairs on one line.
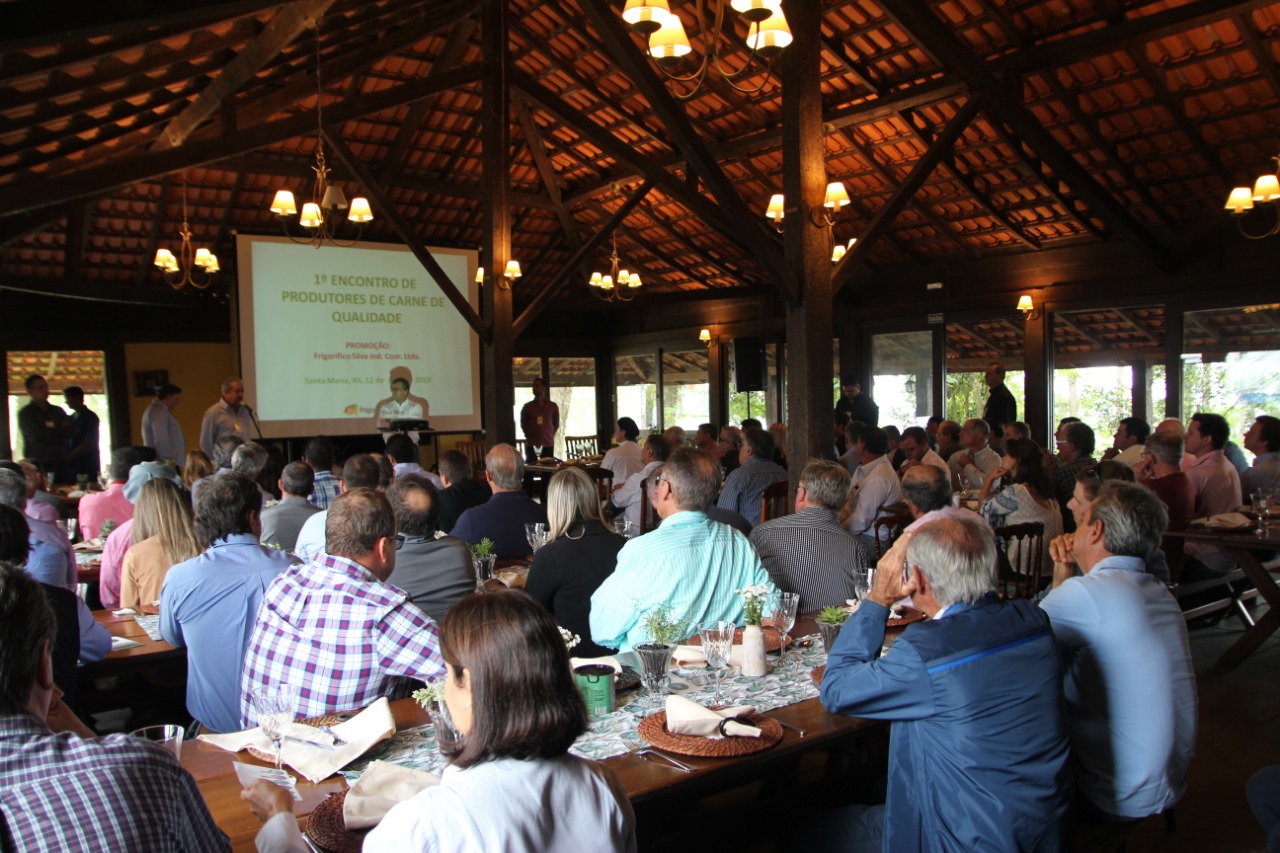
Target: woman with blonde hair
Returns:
[[580, 553], [163, 536], [196, 466]]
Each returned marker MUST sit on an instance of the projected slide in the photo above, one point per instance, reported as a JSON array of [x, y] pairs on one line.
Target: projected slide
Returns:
[[332, 339]]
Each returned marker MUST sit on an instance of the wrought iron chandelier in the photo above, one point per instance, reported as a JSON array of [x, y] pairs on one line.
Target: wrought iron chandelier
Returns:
[[191, 266], [1265, 192], [617, 285]]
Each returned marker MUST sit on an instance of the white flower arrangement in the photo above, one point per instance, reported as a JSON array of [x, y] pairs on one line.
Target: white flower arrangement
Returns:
[[429, 695], [753, 601], [570, 639]]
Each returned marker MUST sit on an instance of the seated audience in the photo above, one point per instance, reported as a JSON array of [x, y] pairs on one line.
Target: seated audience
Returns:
[[1161, 472], [1089, 482], [361, 471], [62, 791], [208, 603], [282, 521], [197, 466], [1127, 443], [461, 489], [40, 504], [623, 460], [916, 451], [1016, 429], [502, 518], [948, 440], [404, 454], [627, 498], [1075, 453], [1024, 494], [117, 545], [97, 507], [975, 459], [224, 450], [895, 452], [1217, 487], [1127, 677], [841, 426], [435, 570], [52, 562], [744, 486], [511, 783], [809, 552], [978, 757], [320, 454], [341, 600], [727, 448], [581, 551], [691, 563], [675, 436], [162, 536], [707, 438], [875, 487], [1262, 440]]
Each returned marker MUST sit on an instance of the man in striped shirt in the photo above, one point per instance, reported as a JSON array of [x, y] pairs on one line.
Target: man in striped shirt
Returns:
[[690, 563]]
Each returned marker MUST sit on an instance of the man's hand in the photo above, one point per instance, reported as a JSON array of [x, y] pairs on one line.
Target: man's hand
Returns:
[[60, 718], [963, 458], [1110, 453], [1064, 560], [888, 586], [266, 800]]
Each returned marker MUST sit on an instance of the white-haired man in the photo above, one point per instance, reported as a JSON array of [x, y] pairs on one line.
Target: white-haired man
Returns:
[[502, 518], [228, 416], [976, 459]]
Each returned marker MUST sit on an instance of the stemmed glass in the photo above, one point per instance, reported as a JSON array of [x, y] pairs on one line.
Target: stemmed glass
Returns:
[[784, 607], [717, 644], [275, 706]]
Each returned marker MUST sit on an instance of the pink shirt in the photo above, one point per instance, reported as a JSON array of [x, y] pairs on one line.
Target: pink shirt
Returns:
[[1217, 484], [42, 512], [97, 507], [112, 571]]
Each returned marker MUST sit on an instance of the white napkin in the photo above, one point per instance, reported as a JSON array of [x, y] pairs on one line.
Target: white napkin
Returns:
[[119, 644], [371, 725], [693, 656], [574, 663], [382, 786], [685, 717], [1227, 519]]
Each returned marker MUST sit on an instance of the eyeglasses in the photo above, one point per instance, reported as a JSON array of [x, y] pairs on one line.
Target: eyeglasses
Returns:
[[1093, 471], [400, 540]]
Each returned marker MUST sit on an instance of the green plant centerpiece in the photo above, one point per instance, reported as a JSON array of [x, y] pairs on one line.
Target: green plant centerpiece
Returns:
[[662, 628], [483, 548], [655, 656], [429, 695], [830, 621]]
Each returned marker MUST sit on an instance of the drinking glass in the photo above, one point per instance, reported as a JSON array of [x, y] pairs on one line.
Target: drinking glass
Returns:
[[655, 661], [531, 535], [861, 582], [1261, 500], [170, 737], [717, 645], [484, 570], [622, 526], [275, 706], [783, 609], [447, 733]]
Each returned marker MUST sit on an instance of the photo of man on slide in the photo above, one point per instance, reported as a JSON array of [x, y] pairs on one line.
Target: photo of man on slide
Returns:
[[401, 405]]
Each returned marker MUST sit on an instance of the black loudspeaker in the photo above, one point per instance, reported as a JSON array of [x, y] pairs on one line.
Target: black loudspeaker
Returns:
[[750, 370]]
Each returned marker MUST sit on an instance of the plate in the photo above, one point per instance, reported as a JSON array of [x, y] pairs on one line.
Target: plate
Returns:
[[324, 720], [628, 679], [772, 639], [654, 731], [328, 830], [908, 617]]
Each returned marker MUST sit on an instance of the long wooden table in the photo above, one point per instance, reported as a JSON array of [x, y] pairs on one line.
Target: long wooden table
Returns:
[[1245, 547], [151, 653]]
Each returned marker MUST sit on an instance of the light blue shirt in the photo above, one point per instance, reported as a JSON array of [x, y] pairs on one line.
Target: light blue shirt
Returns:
[[1128, 684], [47, 563], [692, 563], [210, 604]]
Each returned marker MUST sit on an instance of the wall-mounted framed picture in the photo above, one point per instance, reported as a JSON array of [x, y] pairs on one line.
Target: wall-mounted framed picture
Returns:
[[145, 382]]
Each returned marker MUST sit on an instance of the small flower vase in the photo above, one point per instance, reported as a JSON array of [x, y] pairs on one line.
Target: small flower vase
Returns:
[[753, 659]]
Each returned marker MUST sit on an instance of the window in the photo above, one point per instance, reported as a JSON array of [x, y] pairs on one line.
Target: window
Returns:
[[573, 389], [902, 378], [970, 348], [1096, 355], [61, 370], [686, 389], [636, 377]]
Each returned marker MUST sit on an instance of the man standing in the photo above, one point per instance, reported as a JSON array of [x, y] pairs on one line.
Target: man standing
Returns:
[[282, 521], [502, 518], [1128, 682], [435, 572], [45, 429], [976, 459], [809, 552], [858, 406], [228, 416], [756, 470], [207, 604], [978, 752], [341, 600], [461, 489], [915, 445], [110, 503], [623, 460], [320, 455], [1075, 453], [1127, 443], [874, 486], [64, 792], [161, 430], [84, 458], [1001, 408], [627, 498], [690, 563], [1262, 440], [539, 421], [401, 405]]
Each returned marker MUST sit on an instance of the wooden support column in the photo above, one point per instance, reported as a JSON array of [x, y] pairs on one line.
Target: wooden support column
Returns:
[[940, 370], [1141, 387], [807, 247], [496, 366], [1173, 321], [717, 376], [1038, 348], [6, 440]]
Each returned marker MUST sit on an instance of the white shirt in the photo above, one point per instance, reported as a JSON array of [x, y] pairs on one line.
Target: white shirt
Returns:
[[160, 429], [402, 468], [975, 473], [623, 461], [311, 537], [628, 496], [930, 458], [874, 486]]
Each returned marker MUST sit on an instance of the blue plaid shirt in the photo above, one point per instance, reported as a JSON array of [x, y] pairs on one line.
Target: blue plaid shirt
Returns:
[[327, 488]]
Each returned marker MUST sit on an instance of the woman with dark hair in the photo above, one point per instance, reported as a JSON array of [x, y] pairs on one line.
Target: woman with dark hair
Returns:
[[580, 554], [1025, 493], [511, 784]]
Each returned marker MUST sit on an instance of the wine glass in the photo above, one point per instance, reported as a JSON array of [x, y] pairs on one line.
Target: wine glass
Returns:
[[717, 644], [531, 534], [275, 706], [1261, 500], [784, 607], [861, 582]]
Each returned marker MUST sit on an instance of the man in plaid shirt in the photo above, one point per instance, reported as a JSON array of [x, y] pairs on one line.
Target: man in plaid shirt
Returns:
[[334, 628], [59, 791], [319, 455]]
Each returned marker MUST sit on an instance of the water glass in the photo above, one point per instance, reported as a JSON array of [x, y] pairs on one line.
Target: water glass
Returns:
[[862, 582], [169, 736], [447, 734], [531, 534], [783, 609], [1261, 500], [275, 706], [717, 645], [484, 570], [623, 527], [655, 663]]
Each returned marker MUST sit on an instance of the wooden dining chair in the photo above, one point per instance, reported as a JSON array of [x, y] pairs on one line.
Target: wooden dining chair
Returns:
[[893, 523], [578, 446], [475, 452], [604, 481], [648, 515], [1023, 545], [522, 447], [774, 500]]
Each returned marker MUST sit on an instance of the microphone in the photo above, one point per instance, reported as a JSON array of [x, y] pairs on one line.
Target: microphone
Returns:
[[253, 418]]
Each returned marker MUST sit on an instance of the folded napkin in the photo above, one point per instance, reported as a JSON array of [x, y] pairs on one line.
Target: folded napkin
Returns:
[[1226, 519], [692, 656], [382, 786], [371, 725], [689, 718], [574, 663], [88, 545], [119, 644]]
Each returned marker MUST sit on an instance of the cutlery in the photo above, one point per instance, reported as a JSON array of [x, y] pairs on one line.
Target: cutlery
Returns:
[[679, 765], [337, 739], [799, 731], [316, 744]]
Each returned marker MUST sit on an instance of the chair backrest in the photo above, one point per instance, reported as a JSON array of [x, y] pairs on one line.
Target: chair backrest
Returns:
[[604, 481], [522, 447], [893, 524], [578, 446], [475, 452], [648, 515], [1023, 546], [774, 500]]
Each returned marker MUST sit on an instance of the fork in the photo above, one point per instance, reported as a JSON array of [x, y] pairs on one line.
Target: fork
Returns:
[[649, 752], [337, 738]]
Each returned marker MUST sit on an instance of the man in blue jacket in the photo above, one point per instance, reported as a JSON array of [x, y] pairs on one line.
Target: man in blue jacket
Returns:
[[978, 755]]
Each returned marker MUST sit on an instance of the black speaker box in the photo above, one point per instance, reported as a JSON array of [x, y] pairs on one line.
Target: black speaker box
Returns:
[[750, 369]]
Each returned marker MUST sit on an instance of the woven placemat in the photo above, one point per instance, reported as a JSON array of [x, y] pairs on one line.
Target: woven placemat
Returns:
[[772, 639], [816, 674], [908, 616], [322, 720], [628, 679], [654, 731], [328, 830]]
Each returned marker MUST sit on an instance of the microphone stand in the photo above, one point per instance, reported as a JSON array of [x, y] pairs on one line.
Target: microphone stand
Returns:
[[254, 418]]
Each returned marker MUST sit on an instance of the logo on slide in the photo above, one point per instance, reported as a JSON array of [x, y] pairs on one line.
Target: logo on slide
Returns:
[[353, 409]]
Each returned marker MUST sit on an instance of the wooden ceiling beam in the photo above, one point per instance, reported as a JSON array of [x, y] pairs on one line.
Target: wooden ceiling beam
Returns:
[[77, 236], [223, 233], [1261, 52], [546, 171], [1061, 317], [579, 257], [706, 256], [48, 192], [127, 294], [905, 191], [1138, 326], [854, 67], [33, 23], [637, 66], [1177, 112]]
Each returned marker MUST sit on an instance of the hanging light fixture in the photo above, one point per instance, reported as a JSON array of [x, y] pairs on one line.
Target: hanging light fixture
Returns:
[[823, 216], [669, 43], [1266, 192], [196, 267], [841, 249], [617, 285], [321, 216]]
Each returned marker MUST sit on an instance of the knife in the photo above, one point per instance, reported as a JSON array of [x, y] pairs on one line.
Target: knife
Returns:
[[316, 744]]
